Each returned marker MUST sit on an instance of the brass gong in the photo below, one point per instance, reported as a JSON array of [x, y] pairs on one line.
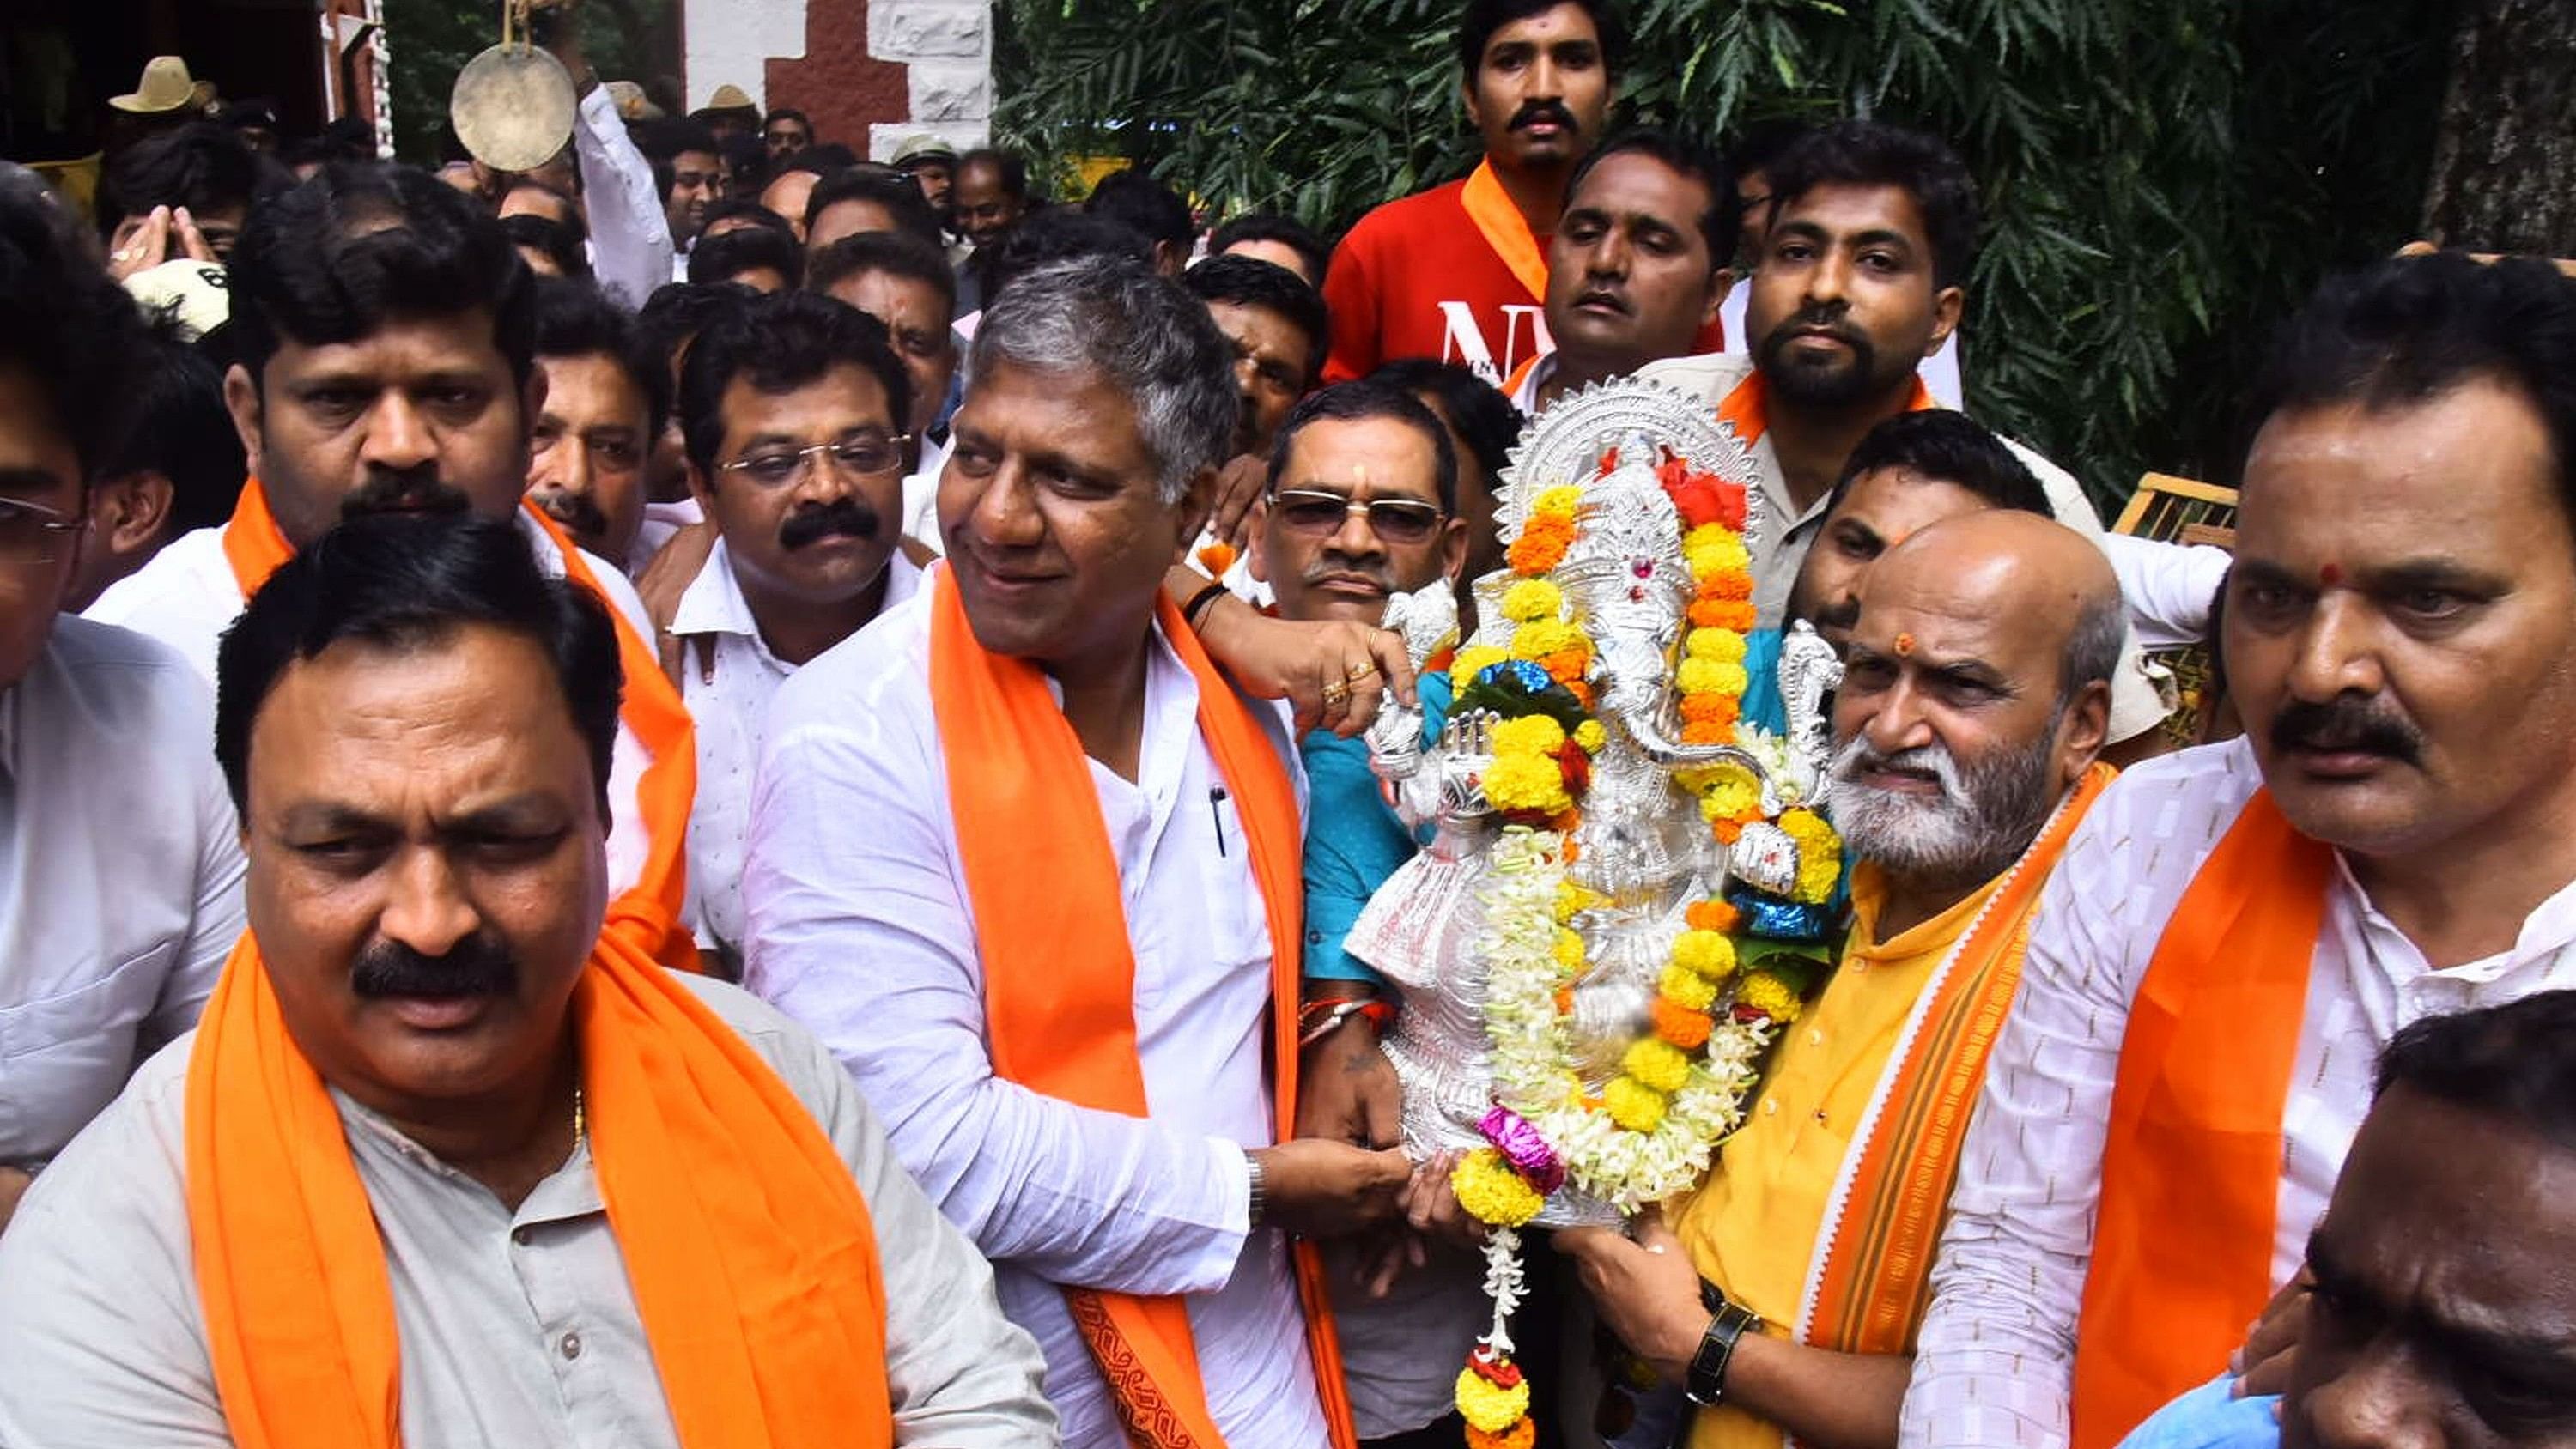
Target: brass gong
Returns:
[[513, 105]]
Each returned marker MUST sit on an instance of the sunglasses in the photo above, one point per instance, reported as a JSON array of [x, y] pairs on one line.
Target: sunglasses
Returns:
[[1393, 520]]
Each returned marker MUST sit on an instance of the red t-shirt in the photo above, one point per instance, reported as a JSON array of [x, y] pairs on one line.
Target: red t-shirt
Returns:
[[1416, 278]]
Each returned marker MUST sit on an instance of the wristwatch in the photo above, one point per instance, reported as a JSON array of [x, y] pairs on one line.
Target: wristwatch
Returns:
[[1705, 1381]]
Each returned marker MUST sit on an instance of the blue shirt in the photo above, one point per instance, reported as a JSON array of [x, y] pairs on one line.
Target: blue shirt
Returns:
[[2208, 1418], [1762, 706], [1353, 839]]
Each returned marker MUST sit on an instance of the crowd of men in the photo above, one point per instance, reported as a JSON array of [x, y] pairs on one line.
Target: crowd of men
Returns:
[[785, 804]]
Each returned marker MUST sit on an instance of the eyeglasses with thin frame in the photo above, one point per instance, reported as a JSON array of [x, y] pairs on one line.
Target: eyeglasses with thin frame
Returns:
[[1393, 520], [31, 533], [864, 455]]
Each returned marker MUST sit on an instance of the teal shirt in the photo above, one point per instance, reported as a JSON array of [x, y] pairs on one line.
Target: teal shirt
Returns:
[[1353, 839], [1763, 708]]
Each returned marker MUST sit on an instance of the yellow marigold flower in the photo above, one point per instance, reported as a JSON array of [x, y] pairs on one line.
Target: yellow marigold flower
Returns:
[[1658, 1064], [1722, 646], [1633, 1105], [1531, 734], [1531, 783], [1687, 988], [1492, 1192], [1473, 660], [1545, 637], [1702, 676], [1705, 953], [1569, 951], [1572, 898], [1591, 736], [1491, 1407], [1768, 994], [1531, 600], [1803, 825], [1562, 501], [1730, 797]]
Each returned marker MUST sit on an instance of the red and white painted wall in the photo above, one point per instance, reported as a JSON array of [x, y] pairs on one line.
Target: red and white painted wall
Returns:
[[870, 72]]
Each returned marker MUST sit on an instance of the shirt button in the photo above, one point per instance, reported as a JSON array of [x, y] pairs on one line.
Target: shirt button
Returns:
[[571, 1345], [1859, 967], [1815, 1038], [1314, 938], [1820, 1114], [1770, 1107], [520, 1236]]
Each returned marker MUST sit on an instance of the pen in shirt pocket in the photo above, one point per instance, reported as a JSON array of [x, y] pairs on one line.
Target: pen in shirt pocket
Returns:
[[1216, 816]]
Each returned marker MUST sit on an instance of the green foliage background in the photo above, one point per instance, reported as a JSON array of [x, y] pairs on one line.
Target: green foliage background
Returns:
[[2163, 179]]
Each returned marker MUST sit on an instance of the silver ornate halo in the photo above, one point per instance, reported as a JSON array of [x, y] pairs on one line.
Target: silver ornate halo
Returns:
[[1564, 444]]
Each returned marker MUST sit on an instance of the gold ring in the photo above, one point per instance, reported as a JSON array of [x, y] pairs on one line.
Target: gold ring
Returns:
[[1360, 671], [1336, 693]]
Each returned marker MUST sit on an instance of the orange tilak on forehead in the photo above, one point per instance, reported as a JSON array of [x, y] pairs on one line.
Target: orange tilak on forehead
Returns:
[[1904, 644]]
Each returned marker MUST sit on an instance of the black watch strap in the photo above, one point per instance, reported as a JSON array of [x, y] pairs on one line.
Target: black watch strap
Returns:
[[1705, 1381]]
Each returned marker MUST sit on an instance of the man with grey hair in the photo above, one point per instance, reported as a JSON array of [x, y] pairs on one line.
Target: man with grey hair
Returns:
[[1060, 953], [1976, 695]]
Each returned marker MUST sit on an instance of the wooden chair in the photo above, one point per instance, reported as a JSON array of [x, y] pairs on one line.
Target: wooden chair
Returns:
[[2183, 510]]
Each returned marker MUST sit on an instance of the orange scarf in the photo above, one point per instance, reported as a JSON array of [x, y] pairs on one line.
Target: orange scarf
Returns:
[[2191, 1166], [1059, 970], [1505, 230], [752, 1258], [1746, 409], [647, 914], [1866, 1290]]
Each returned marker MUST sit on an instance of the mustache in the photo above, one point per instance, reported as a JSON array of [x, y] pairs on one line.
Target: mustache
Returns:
[[848, 517], [575, 511], [1831, 318], [418, 490], [479, 965], [1858, 757], [1533, 112], [1841, 614], [2347, 722]]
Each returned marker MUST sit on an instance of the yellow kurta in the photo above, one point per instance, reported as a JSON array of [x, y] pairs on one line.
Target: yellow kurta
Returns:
[[1752, 1228]]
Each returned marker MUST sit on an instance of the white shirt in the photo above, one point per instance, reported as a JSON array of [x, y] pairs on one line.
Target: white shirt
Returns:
[[517, 1326], [1940, 371], [921, 496], [2171, 588], [1525, 396], [630, 240], [1996, 1351], [186, 597], [120, 875], [861, 928], [729, 694], [2136, 704]]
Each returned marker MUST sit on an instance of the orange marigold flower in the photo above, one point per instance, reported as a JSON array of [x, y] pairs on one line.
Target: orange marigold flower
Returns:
[[1566, 666], [1727, 831], [1712, 915], [1680, 1025], [1727, 584], [1706, 732], [1541, 546], [1565, 1001], [1722, 614], [1708, 708]]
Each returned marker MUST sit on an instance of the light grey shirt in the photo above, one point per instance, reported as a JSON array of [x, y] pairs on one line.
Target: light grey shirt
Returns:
[[517, 1328], [120, 875]]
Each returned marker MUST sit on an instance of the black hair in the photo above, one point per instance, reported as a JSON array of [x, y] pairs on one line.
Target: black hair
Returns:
[[1015, 172], [1351, 402], [663, 141], [1476, 408], [571, 218], [746, 163], [1719, 224], [789, 113], [576, 319], [1761, 143], [1270, 226], [68, 326], [201, 166], [406, 582], [779, 343], [1252, 282], [2410, 329], [1054, 235], [743, 206], [1945, 447], [679, 311], [361, 245], [899, 194], [1150, 208], [1873, 153], [746, 248], [182, 431], [2515, 1063], [822, 158], [559, 242], [1476, 27], [890, 252]]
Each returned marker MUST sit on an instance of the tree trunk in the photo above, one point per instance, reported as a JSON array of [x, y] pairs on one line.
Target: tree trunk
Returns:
[[2504, 165]]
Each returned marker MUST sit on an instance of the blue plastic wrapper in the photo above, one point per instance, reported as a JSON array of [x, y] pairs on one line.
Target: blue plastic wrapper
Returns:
[[1769, 916], [1522, 672]]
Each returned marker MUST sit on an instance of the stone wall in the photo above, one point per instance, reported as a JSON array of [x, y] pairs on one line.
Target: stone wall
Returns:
[[870, 72]]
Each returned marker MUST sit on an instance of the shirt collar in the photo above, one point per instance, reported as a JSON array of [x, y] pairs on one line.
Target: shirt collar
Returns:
[[1869, 898], [713, 602]]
